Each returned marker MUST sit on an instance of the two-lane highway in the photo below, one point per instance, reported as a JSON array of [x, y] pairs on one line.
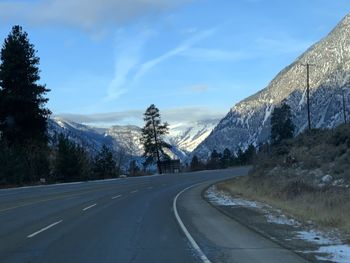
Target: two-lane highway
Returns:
[[122, 220]]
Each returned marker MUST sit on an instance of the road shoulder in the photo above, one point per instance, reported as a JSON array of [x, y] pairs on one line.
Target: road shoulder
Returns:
[[223, 239]]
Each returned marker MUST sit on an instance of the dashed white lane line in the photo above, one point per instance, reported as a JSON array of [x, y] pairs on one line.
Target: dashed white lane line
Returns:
[[117, 196], [194, 244], [150, 187], [44, 229], [135, 191], [88, 207]]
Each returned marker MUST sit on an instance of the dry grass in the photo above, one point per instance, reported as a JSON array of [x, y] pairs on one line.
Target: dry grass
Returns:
[[329, 207], [298, 187]]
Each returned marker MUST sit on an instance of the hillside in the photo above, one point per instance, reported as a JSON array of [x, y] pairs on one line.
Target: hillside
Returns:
[[249, 120]]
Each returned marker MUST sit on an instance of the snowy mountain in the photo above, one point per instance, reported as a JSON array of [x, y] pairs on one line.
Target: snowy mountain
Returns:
[[126, 139], [188, 135], [249, 120]]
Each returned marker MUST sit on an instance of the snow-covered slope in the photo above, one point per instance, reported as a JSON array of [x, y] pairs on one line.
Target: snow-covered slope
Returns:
[[188, 135], [249, 120], [84, 135]]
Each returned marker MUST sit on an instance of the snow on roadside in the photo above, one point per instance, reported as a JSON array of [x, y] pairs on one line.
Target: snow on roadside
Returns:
[[329, 249], [316, 237], [336, 253], [220, 198], [281, 220]]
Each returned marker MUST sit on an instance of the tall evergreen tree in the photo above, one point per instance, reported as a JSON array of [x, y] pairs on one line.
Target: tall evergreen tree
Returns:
[[152, 137], [71, 161], [282, 126], [196, 164], [105, 164], [226, 158], [23, 116]]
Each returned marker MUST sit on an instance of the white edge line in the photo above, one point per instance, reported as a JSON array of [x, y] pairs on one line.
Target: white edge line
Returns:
[[194, 244], [88, 207], [114, 197], [43, 229]]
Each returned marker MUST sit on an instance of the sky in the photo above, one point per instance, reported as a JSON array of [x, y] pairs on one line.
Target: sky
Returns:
[[106, 61]]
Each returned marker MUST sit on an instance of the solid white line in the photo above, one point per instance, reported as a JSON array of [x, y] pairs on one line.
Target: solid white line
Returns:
[[194, 244], [88, 207], [43, 229], [135, 191], [114, 197]]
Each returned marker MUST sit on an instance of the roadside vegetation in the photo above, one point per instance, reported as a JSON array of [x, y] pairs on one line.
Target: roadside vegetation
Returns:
[[308, 176]]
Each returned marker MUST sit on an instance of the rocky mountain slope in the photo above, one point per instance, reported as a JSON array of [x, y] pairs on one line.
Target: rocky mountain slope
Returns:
[[249, 120]]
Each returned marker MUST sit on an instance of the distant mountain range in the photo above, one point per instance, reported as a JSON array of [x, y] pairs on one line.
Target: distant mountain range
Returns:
[[182, 137], [249, 120]]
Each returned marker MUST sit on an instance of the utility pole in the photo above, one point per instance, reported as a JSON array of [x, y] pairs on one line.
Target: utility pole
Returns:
[[344, 106], [308, 93]]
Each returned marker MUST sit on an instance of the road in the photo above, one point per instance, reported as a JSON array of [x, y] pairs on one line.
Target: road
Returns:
[[122, 220]]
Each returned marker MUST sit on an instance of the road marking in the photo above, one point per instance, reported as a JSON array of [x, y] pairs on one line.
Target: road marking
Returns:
[[194, 244], [114, 197], [135, 191], [43, 229], [88, 207], [150, 187]]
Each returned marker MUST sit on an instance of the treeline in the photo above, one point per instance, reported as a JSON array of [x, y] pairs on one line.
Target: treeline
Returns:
[[63, 161], [224, 160], [27, 153]]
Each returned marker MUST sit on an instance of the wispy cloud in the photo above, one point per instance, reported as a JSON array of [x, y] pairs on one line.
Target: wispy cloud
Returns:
[[128, 65], [127, 58], [89, 15], [183, 47]]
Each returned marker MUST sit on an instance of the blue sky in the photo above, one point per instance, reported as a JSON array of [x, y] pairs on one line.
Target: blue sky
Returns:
[[107, 60]]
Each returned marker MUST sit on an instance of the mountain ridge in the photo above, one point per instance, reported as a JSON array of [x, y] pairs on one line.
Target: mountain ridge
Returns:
[[248, 121]]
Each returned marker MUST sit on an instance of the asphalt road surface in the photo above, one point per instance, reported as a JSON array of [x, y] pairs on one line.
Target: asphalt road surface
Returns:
[[128, 220], [122, 220]]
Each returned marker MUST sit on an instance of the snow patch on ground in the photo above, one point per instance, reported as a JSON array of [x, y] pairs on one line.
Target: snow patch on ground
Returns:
[[316, 237], [220, 198], [281, 220], [336, 253]]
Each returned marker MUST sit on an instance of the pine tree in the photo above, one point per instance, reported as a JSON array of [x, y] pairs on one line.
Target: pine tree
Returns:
[[282, 126], [196, 164], [104, 164], [215, 160], [71, 161], [134, 169], [152, 137], [23, 116], [226, 158]]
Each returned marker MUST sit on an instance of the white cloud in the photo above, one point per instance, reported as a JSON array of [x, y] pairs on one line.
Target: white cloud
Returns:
[[90, 15], [172, 116]]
